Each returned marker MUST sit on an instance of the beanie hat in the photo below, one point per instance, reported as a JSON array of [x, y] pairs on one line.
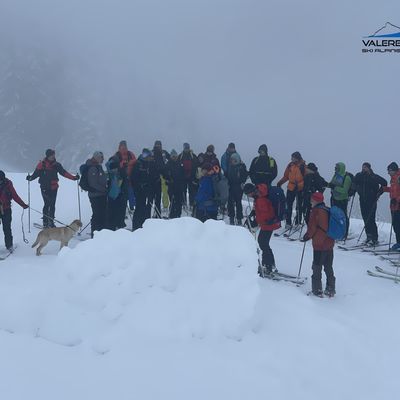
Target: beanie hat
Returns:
[[317, 197], [312, 167], [231, 146], [263, 148], [98, 154], [157, 143], [50, 152], [249, 188], [173, 153], [186, 146], [122, 143], [235, 158], [297, 155], [393, 166], [146, 153], [367, 164], [210, 148]]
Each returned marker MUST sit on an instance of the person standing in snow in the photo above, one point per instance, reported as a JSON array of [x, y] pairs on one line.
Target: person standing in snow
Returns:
[[313, 182], [120, 167], [160, 157], [209, 157], [206, 207], [47, 171], [8, 193], [266, 220], [225, 159], [322, 245], [237, 176], [394, 190], [340, 186], [294, 174], [97, 193], [175, 178], [142, 176], [263, 168], [369, 187], [190, 163]]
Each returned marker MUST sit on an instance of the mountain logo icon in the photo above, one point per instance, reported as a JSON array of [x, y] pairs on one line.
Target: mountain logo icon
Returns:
[[387, 31]]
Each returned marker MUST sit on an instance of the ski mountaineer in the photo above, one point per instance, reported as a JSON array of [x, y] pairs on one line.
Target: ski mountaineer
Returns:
[[206, 208], [237, 176], [8, 193], [97, 193], [47, 171], [175, 179], [369, 187], [313, 182], [160, 158], [190, 163], [340, 186], [209, 157], [294, 173], [120, 167], [266, 220], [263, 168], [225, 159], [394, 190], [322, 246], [143, 174]]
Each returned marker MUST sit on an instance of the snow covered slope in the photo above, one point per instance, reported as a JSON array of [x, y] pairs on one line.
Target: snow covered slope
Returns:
[[177, 311]]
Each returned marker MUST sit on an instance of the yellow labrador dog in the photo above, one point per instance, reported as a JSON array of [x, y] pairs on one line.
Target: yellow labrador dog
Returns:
[[63, 235]]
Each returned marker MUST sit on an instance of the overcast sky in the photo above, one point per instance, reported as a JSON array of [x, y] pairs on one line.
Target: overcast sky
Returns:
[[286, 73]]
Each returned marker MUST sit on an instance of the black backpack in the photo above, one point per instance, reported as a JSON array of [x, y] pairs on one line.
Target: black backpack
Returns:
[[84, 181]]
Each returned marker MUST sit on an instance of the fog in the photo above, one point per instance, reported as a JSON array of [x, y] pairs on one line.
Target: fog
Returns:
[[286, 73]]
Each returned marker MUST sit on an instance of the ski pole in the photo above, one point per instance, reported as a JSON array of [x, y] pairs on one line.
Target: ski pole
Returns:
[[390, 236], [29, 204], [301, 261], [348, 219], [79, 201]]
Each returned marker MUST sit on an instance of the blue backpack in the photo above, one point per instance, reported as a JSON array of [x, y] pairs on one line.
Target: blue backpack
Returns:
[[337, 223], [277, 197]]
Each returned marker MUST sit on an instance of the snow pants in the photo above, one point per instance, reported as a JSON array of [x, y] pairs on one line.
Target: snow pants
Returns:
[[268, 258], [291, 196], [368, 212], [6, 218], [322, 259], [99, 213], [49, 207], [396, 224], [235, 202]]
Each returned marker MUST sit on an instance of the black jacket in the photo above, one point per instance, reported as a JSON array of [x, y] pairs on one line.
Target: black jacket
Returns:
[[313, 182], [368, 185], [263, 169], [144, 174], [237, 174], [174, 173]]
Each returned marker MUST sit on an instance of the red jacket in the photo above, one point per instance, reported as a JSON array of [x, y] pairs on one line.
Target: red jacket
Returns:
[[317, 228], [8, 193], [265, 213], [47, 172], [394, 190]]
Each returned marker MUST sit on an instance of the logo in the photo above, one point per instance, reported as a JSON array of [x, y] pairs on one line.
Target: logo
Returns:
[[384, 40]]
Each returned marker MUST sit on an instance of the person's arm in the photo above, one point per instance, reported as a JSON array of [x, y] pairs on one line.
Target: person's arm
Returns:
[[66, 174], [312, 225], [15, 196], [285, 177], [36, 174]]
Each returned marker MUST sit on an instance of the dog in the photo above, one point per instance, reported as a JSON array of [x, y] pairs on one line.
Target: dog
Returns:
[[63, 235]]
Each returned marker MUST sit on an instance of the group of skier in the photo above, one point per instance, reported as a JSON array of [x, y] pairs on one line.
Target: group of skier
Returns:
[[205, 185]]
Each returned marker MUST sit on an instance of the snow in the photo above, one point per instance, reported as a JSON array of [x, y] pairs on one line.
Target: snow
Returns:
[[176, 311]]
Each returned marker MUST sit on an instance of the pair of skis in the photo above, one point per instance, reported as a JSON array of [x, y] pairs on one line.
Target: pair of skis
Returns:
[[280, 276], [7, 253], [382, 273]]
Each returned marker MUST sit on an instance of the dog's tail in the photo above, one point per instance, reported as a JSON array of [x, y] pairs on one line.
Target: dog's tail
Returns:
[[36, 241]]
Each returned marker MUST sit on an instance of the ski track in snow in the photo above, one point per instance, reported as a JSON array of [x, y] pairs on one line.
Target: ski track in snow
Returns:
[[166, 312]]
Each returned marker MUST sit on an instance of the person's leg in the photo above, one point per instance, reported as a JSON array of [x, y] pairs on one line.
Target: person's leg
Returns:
[[268, 260], [290, 196], [396, 225], [330, 276], [52, 206], [231, 207], [46, 207], [299, 207], [316, 278], [238, 202], [6, 219]]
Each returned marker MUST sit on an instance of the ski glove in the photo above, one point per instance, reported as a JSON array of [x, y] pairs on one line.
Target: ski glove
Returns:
[[305, 238], [77, 177], [28, 178]]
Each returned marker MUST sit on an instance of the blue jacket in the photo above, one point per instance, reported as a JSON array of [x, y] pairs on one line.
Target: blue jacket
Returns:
[[205, 195], [225, 161]]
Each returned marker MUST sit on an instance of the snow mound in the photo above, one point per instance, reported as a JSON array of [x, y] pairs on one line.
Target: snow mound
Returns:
[[176, 279]]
